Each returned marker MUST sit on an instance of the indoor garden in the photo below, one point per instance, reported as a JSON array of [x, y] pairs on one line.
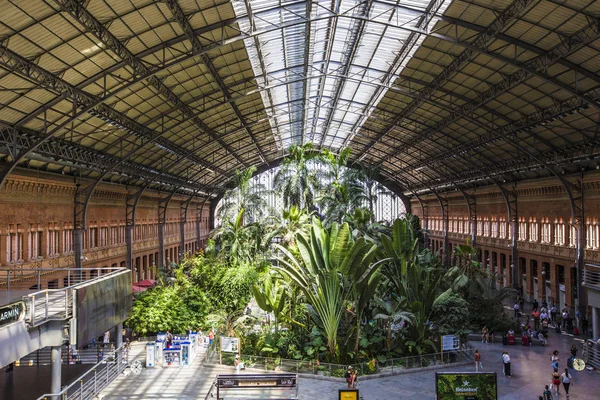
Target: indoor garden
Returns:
[[325, 280]]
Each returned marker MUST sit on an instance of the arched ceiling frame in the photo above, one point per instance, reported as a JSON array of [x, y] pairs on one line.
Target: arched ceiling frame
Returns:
[[526, 70]]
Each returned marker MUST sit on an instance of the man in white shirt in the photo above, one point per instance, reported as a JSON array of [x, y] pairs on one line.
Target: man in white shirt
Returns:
[[106, 338], [506, 362], [516, 308]]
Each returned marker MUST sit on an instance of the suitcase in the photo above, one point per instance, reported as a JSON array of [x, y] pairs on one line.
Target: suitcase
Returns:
[[525, 340], [557, 330], [576, 331], [570, 362]]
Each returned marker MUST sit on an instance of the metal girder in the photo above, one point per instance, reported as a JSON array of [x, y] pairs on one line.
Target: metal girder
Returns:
[[510, 198], [566, 156], [536, 67], [81, 14], [445, 217], [197, 47], [498, 25], [522, 44], [556, 111], [345, 65], [576, 195], [308, 62], [163, 204], [13, 139], [254, 42], [424, 21], [82, 102], [425, 213], [131, 203], [510, 131]]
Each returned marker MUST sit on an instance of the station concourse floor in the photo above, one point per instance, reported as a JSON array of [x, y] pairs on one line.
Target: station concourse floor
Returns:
[[530, 367]]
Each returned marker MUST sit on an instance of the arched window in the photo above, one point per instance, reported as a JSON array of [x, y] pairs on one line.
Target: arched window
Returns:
[[533, 230], [546, 230], [522, 229], [494, 227], [559, 237]]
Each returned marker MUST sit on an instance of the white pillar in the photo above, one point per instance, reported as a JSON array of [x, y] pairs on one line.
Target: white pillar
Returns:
[[595, 323], [119, 336], [56, 366]]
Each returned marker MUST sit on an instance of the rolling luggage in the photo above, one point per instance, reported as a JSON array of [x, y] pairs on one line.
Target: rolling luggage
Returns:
[[525, 340], [557, 330], [576, 331]]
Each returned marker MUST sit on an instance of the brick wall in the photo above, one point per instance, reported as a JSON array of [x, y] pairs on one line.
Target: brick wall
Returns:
[[40, 203]]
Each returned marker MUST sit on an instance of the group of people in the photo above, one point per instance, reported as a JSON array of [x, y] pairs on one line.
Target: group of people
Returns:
[[566, 379]]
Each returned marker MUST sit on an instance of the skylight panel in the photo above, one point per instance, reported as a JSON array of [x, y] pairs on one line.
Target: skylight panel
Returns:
[[356, 50]]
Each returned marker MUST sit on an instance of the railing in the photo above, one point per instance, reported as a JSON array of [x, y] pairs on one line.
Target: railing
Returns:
[[57, 304], [36, 279], [96, 379], [393, 365], [591, 353], [591, 276], [69, 355]]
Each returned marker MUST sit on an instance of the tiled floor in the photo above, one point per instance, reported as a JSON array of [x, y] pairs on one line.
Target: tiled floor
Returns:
[[531, 371]]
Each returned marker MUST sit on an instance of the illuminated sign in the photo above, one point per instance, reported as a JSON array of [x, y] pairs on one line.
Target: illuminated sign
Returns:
[[348, 394], [12, 313], [466, 386]]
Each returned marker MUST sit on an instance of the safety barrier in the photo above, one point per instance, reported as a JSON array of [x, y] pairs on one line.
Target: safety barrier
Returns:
[[57, 304], [591, 353], [374, 366], [96, 379]]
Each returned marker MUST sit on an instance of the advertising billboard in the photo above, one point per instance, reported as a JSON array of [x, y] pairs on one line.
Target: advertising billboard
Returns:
[[100, 305], [466, 386]]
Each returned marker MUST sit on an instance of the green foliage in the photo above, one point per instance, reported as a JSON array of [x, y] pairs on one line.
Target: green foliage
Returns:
[[228, 287], [173, 308], [449, 316]]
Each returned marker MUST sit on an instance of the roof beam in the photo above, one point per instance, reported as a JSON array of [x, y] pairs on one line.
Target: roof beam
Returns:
[[59, 151], [556, 111], [538, 66], [498, 25], [198, 49], [82, 15]]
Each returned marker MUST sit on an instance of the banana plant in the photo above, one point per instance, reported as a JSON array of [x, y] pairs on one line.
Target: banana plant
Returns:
[[271, 297], [402, 249]]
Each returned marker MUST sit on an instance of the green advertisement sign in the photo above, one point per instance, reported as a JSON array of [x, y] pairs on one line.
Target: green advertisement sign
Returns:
[[466, 386]]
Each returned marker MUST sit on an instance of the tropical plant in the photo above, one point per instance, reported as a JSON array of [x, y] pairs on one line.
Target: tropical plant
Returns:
[[298, 180], [368, 188], [244, 196], [468, 275], [403, 250], [325, 255], [271, 297]]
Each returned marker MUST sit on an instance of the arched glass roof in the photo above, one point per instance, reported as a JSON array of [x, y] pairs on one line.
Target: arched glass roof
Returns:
[[178, 94]]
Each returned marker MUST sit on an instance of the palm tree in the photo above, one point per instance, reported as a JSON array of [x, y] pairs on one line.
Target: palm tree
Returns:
[[341, 196], [298, 179], [365, 181], [245, 195]]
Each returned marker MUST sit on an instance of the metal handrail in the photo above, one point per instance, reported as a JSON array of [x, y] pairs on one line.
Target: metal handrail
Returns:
[[96, 379], [393, 365], [57, 304]]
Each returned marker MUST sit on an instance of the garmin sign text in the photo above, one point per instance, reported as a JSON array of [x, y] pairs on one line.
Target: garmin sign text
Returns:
[[12, 313]]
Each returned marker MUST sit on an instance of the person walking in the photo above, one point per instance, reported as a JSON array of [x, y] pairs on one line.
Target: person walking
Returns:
[[354, 378], [566, 379], [516, 309], [555, 360], [484, 334], [547, 395], [506, 363], [553, 314], [556, 382], [348, 376], [477, 358]]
